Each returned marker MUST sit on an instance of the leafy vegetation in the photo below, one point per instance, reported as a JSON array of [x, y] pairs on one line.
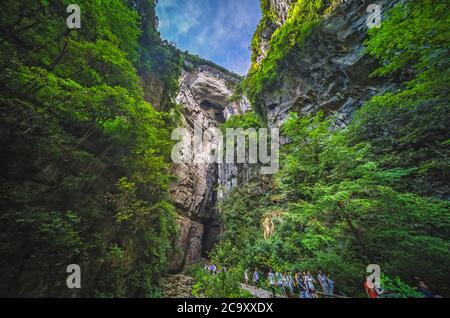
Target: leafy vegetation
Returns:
[[160, 62], [222, 285], [288, 39], [408, 128], [244, 121], [336, 211], [398, 289], [85, 158], [268, 21]]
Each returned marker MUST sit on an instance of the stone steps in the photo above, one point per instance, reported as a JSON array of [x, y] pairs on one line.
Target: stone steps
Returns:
[[177, 286]]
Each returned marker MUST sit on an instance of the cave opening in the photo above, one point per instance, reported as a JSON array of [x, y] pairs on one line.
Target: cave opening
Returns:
[[211, 224], [210, 236]]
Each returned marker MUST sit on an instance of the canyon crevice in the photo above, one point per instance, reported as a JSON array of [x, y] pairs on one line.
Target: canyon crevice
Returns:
[[205, 99], [331, 74]]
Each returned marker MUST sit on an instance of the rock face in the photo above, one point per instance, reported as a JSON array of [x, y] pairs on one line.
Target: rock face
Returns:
[[204, 95], [331, 73], [177, 286], [281, 8]]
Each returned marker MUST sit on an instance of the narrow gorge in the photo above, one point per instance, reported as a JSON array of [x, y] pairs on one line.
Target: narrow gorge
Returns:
[[326, 71], [357, 89], [204, 95], [333, 76]]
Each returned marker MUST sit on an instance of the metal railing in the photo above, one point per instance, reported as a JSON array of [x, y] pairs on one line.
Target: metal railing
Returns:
[[265, 291]]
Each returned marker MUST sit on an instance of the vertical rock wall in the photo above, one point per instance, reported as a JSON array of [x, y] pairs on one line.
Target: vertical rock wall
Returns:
[[204, 96], [331, 73]]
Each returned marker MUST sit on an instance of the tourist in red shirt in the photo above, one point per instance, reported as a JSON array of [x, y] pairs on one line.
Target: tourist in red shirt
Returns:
[[371, 293]]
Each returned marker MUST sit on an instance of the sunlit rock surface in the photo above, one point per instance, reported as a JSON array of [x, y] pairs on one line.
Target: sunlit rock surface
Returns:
[[205, 99]]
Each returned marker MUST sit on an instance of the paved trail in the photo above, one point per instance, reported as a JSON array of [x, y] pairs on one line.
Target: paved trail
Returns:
[[262, 293], [177, 286]]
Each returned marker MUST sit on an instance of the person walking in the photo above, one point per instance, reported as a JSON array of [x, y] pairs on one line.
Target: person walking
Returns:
[[271, 279], [256, 278], [331, 285], [300, 285], [287, 284], [310, 281], [211, 269], [284, 284], [279, 278], [291, 283], [296, 287], [370, 290], [322, 278], [306, 293], [423, 288]]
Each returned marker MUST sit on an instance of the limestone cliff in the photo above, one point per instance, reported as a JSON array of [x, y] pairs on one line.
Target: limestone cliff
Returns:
[[204, 96], [275, 13], [331, 72]]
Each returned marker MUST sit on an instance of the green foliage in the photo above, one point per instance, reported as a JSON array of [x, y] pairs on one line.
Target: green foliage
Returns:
[[408, 128], [241, 215], [160, 62], [86, 167], [375, 192], [413, 35], [339, 214], [268, 21], [238, 93], [398, 289], [86, 158], [222, 285], [244, 121], [285, 43]]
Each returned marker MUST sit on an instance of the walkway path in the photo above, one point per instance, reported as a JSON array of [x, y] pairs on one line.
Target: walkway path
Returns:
[[262, 293], [177, 286]]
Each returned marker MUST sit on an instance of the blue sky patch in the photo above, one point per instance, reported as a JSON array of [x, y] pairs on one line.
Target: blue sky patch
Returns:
[[217, 30]]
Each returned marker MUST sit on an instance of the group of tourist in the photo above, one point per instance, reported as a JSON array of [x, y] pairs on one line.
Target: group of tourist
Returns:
[[301, 283], [211, 268]]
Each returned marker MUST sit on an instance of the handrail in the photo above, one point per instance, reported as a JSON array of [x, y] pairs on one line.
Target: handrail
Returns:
[[283, 296], [332, 295]]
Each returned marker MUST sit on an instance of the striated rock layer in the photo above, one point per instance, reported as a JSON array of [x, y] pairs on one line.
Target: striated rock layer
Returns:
[[205, 99]]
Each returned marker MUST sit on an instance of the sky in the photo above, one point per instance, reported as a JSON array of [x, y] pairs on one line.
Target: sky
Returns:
[[217, 30]]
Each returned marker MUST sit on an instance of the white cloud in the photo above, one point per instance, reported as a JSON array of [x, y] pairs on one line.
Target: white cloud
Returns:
[[182, 21], [219, 30]]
